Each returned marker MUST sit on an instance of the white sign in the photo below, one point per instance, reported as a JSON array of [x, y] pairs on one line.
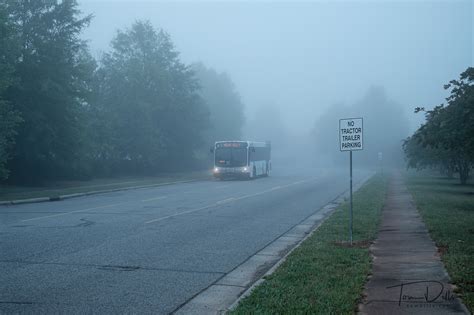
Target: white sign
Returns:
[[351, 134]]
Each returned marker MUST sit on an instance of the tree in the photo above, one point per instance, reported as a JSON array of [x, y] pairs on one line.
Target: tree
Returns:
[[9, 118], [223, 102], [151, 115], [457, 126], [420, 157], [267, 124], [447, 136], [50, 88]]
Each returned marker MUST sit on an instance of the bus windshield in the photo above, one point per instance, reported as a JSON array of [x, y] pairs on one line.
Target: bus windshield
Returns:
[[231, 157]]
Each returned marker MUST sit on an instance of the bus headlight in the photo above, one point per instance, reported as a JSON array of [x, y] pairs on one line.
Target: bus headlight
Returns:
[[216, 170], [245, 169]]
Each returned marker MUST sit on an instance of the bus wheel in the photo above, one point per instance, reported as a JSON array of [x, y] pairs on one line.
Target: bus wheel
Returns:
[[254, 172]]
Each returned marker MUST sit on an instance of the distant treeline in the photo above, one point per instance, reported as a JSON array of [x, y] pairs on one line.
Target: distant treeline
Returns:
[[385, 127], [446, 140], [136, 110]]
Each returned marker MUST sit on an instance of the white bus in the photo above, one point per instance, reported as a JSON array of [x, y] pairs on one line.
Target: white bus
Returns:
[[244, 159]]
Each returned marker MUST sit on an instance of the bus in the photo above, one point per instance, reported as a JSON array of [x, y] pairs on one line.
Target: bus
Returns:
[[242, 159]]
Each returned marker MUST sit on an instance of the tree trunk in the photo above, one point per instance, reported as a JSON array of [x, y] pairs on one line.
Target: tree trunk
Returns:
[[450, 173], [464, 172], [451, 169]]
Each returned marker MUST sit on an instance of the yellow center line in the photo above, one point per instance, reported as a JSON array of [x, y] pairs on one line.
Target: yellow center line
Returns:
[[65, 213], [156, 198]]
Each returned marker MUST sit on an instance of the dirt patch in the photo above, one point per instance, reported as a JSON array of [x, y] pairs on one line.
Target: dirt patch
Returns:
[[261, 270], [442, 249], [356, 244]]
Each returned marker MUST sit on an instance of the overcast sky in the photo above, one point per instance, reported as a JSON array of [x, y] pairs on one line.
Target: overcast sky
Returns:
[[307, 56]]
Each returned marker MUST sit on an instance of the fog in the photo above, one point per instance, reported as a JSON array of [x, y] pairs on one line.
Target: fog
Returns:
[[306, 60]]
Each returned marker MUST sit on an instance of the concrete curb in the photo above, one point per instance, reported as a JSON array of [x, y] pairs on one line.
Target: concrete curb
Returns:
[[88, 193], [225, 293], [21, 201]]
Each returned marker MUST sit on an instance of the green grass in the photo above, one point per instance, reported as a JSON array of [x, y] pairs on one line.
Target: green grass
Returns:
[[321, 276], [55, 189], [448, 211]]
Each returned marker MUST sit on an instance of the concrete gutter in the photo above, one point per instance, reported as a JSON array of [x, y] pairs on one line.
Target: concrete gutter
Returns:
[[225, 293], [20, 201], [88, 193]]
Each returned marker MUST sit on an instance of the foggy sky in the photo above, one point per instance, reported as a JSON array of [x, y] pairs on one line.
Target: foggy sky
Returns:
[[307, 56]]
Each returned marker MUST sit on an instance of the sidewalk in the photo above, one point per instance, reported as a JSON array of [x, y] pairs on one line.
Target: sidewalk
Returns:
[[408, 276]]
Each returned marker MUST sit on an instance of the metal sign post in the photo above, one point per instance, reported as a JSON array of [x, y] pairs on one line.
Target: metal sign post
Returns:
[[350, 224], [351, 139], [380, 155]]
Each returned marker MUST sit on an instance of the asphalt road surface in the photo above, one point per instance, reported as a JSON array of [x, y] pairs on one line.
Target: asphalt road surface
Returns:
[[148, 250]]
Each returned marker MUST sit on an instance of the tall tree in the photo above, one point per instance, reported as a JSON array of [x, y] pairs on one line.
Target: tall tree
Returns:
[[50, 90], [224, 104], [9, 118], [267, 124], [458, 126], [419, 156], [449, 130], [149, 100]]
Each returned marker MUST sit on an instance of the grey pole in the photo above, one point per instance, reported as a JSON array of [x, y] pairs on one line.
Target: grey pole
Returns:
[[350, 228]]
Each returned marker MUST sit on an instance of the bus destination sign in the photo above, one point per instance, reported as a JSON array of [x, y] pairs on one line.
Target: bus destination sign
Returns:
[[231, 145]]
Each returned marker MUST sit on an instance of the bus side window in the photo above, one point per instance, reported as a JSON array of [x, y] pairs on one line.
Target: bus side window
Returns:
[[253, 154], [258, 154]]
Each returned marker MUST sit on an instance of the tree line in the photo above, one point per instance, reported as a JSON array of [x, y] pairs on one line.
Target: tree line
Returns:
[[385, 126], [138, 109], [446, 140]]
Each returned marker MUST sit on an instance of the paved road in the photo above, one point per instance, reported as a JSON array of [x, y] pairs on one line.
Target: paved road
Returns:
[[148, 250]]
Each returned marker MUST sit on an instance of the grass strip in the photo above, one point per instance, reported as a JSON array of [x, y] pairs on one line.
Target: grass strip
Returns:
[[323, 275], [447, 209], [8, 192]]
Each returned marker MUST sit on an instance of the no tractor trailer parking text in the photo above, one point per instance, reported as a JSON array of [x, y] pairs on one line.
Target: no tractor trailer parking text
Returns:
[[351, 130]]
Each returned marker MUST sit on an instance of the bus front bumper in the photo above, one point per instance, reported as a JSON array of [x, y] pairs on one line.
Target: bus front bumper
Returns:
[[231, 172]]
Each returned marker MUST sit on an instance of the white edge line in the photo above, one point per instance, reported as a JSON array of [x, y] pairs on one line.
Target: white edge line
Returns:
[[177, 214], [156, 198], [65, 213]]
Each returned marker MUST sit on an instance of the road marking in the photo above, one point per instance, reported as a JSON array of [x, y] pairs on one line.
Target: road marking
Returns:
[[225, 201], [301, 181], [220, 202], [194, 190], [156, 198], [64, 213], [180, 213], [224, 186], [121, 183]]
